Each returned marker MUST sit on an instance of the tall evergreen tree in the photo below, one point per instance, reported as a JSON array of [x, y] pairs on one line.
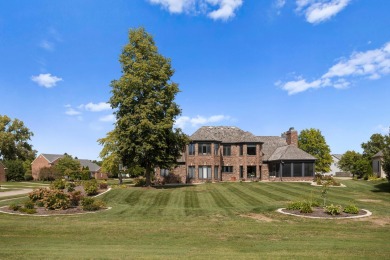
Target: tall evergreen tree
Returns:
[[143, 99], [313, 142]]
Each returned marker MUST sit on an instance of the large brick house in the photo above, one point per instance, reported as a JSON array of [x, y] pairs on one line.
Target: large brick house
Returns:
[[222, 153], [3, 177], [48, 160]]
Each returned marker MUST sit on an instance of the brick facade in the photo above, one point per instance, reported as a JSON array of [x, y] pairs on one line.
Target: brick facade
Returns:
[[39, 163]]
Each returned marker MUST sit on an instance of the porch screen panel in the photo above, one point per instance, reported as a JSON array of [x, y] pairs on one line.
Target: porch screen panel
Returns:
[[286, 170], [309, 169], [297, 170]]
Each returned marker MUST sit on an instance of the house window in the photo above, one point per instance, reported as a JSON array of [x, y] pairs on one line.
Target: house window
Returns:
[[216, 172], [251, 149], [241, 149], [297, 169], [204, 149], [309, 169], [191, 149], [191, 172], [216, 148], [251, 172], [204, 172], [164, 172], [241, 172], [227, 150], [286, 170], [227, 168]]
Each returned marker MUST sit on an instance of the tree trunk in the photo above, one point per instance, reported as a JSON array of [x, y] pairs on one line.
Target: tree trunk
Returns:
[[147, 177], [120, 177]]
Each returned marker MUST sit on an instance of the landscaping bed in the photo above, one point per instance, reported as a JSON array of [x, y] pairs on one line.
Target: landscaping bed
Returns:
[[318, 212]]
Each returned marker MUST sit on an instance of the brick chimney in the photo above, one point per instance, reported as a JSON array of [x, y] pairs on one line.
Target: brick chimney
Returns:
[[291, 136]]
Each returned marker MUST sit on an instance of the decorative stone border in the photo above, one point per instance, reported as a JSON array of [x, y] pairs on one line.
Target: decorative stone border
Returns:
[[102, 193], [368, 213], [49, 215]]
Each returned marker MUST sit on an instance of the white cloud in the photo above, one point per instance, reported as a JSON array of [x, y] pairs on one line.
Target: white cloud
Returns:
[[280, 3], [49, 46], [183, 121], [108, 118], [225, 9], [96, 107], [71, 111], [46, 80], [372, 64], [317, 11]]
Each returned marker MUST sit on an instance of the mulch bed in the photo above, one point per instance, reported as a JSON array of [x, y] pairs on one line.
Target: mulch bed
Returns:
[[41, 211], [318, 212]]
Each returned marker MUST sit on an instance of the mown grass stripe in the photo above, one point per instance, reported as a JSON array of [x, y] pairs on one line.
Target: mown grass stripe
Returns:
[[245, 197], [134, 197], [159, 203], [263, 192], [220, 200], [296, 193]]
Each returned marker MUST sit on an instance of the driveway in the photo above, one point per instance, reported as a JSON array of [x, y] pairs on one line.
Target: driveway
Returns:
[[14, 192]]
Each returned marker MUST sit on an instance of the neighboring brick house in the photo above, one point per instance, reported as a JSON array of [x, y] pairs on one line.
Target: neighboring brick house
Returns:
[[3, 177], [221, 153], [48, 160], [377, 168]]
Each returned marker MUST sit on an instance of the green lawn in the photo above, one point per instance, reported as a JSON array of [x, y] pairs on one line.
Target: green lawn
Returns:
[[226, 220]]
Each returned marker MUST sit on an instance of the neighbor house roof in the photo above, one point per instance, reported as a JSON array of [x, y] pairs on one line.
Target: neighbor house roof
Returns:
[[52, 157], [378, 154], [224, 134], [337, 156], [290, 152], [93, 167]]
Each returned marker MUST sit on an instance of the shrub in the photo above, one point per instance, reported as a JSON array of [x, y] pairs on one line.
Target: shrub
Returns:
[[294, 205], [29, 204], [28, 211], [75, 198], [306, 207], [351, 209], [333, 209], [70, 186], [47, 174], [140, 182], [14, 207], [56, 199], [103, 185], [90, 204], [58, 184], [38, 194], [90, 187], [28, 177], [172, 178]]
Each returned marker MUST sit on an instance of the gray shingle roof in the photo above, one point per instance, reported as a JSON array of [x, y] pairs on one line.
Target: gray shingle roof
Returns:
[[270, 145], [93, 167], [290, 152], [224, 134], [52, 157], [378, 154], [338, 156]]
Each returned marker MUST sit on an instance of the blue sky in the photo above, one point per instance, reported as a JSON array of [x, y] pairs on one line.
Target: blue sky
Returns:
[[263, 66]]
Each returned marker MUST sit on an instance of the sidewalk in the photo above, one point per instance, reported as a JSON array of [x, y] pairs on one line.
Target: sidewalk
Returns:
[[14, 192]]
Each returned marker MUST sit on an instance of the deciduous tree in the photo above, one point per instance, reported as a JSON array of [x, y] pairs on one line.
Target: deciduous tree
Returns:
[[143, 100], [354, 163], [313, 142], [376, 143], [67, 166], [14, 140]]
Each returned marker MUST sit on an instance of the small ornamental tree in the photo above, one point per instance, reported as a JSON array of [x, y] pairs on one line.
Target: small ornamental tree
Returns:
[[143, 100], [313, 142]]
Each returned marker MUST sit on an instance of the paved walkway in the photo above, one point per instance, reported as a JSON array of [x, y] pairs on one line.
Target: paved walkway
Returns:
[[14, 192]]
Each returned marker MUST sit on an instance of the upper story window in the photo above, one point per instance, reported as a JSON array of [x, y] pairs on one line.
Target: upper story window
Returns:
[[191, 149], [216, 148], [241, 149], [204, 149], [227, 168], [227, 149], [251, 149]]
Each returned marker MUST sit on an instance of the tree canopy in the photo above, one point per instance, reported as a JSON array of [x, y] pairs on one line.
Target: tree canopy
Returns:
[[67, 166], [313, 142], [143, 100], [354, 163], [14, 140], [376, 143]]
